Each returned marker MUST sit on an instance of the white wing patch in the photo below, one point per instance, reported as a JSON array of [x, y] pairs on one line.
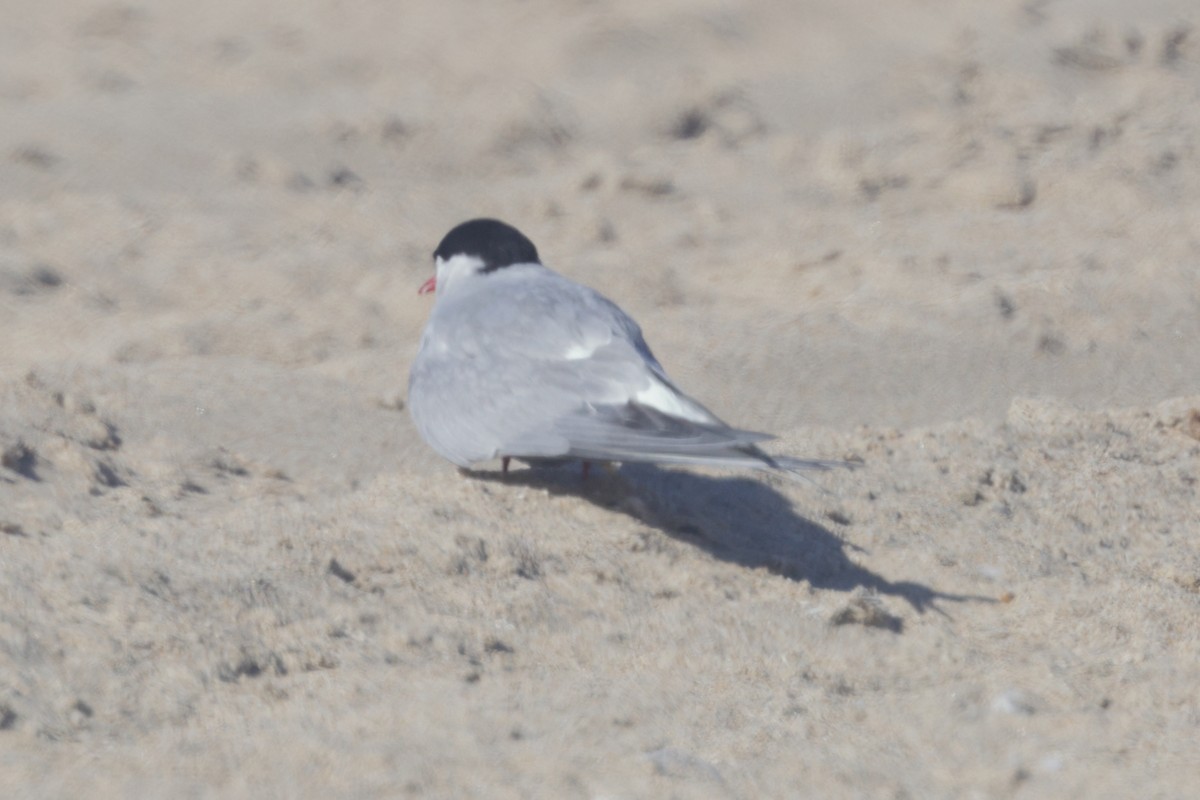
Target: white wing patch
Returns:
[[586, 345], [663, 398], [578, 352]]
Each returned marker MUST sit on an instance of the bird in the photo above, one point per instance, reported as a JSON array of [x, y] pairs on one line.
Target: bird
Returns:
[[519, 362]]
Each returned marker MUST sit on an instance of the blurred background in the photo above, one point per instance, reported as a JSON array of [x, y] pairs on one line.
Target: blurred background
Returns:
[[229, 566], [822, 212]]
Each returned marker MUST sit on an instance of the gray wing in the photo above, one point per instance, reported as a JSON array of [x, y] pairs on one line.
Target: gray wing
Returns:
[[635, 432], [537, 366]]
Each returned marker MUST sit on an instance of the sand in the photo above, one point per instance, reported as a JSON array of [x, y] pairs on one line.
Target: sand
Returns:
[[956, 241]]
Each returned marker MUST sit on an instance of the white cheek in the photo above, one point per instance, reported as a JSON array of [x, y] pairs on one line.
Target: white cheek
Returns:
[[454, 269]]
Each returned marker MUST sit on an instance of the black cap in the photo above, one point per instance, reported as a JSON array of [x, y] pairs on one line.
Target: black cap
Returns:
[[496, 243]]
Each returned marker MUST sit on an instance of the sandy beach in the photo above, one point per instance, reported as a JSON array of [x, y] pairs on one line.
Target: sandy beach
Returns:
[[954, 241]]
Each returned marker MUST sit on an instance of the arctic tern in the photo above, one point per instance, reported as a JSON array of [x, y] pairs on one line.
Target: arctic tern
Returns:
[[517, 361]]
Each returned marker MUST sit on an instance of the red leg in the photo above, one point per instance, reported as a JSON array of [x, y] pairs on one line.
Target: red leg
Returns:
[[504, 464]]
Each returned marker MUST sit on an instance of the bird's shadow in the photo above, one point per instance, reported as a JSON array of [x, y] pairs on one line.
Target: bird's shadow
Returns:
[[738, 519]]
